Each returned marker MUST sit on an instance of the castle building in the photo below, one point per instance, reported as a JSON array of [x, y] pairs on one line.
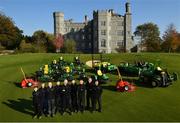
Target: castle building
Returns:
[[107, 32]]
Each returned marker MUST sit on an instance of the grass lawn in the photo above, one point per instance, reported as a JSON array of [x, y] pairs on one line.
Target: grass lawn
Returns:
[[145, 104]]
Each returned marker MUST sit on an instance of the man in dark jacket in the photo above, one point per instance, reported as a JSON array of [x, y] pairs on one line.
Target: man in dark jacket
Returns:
[[36, 103], [96, 94], [66, 98], [73, 86], [58, 97], [81, 96], [43, 100], [51, 99], [89, 86]]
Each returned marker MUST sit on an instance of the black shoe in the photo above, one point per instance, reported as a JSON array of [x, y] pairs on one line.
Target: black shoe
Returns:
[[99, 110]]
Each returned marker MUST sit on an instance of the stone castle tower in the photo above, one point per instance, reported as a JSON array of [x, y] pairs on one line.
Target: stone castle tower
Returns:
[[107, 32]]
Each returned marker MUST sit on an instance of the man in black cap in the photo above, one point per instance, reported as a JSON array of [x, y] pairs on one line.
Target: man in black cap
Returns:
[[66, 98], [96, 95], [36, 103], [51, 99], [89, 86], [81, 96]]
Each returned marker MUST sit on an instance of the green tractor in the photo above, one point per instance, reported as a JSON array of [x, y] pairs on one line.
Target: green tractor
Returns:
[[105, 66], [157, 77], [149, 73]]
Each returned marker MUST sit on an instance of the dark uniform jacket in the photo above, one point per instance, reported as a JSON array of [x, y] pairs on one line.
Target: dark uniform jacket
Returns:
[[50, 93], [73, 90], [57, 91], [96, 91], [81, 90], [89, 87], [65, 91], [43, 92], [36, 97]]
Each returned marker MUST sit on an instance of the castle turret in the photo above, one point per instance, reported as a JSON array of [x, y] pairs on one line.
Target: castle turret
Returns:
[[128, 43], [58, 23], [128, 7]]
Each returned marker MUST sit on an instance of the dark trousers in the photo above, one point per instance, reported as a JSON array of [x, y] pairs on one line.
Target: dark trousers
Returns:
[[95, 101], [58, 104], [81, 103], [37, 109], [89, 99], [44, 107], [74, 104], [51, 106], [66, 104]]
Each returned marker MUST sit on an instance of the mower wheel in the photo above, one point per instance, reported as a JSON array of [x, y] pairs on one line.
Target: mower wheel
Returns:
[[29, 84], [126, 88]]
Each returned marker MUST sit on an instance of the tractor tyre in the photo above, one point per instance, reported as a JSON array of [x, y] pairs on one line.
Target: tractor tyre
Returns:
[[154, 84]]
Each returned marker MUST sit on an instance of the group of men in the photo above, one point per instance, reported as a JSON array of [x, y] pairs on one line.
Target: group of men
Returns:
[[68, 97]]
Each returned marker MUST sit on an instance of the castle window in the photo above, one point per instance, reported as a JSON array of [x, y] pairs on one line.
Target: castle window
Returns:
[[103, 23], [89, 45], [120, 23], [103, 32], [83, 37], [119, 43], [103, 43], [67, 30], [120, 32]]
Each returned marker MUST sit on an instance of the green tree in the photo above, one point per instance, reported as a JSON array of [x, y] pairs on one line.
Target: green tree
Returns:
[[69, 46], [43, 41], [149, 36], [26, 47], [50, 42], [10, 35]]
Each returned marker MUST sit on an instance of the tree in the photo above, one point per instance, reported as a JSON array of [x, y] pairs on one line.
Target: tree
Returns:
[[26, 47], [69, 46], [171, 39], [50, 42], [10, 35], [149, 36], [43, 41], [58, 43]]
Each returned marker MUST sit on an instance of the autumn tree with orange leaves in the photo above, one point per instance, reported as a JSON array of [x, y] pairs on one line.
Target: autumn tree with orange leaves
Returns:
[[171, 39]]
